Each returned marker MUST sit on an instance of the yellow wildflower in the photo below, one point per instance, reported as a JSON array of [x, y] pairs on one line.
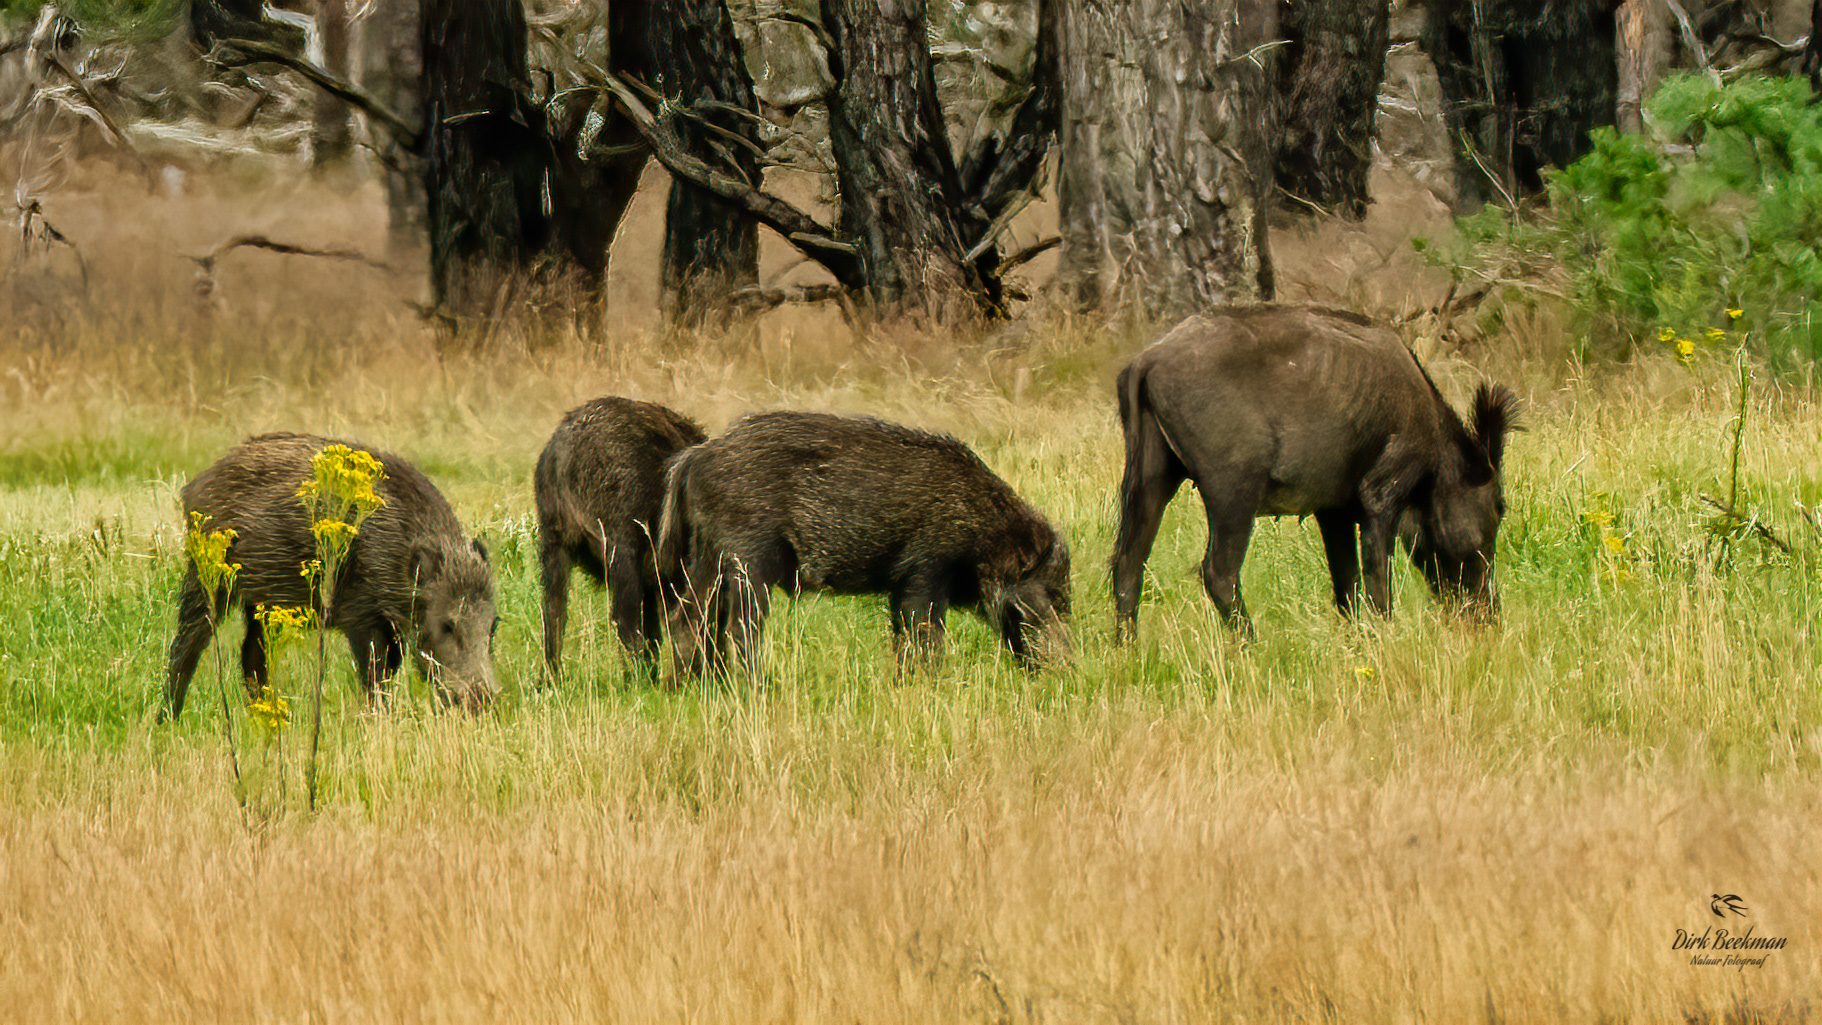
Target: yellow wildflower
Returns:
[[270, 710], [1365, 672], [1735, 313], [1685, 350], [1614, 543], [1667, 334], [208, 552], [1716, 334]]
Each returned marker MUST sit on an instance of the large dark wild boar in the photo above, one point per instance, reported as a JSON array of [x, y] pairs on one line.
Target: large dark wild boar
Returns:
[[854, 505], [1295, 411], [410, 575], [600, 486]]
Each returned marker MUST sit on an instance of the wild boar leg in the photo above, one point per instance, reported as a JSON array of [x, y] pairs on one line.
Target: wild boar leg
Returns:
[[1376, 536], [195, 629], [1341, 545], [748, 595], [376, 654], [1230, 528], [630, 598], [253, 671], [554, 564], [696, 622], [1152, 478], [919, 607]]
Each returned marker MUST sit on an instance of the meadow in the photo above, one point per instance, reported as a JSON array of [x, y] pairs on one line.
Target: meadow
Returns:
[[1408, 819]]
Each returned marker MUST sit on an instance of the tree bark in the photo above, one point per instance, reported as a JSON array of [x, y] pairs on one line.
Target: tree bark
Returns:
[[486, 156], [592, 186], [1524, 82], [391, 47], [332, 137], [1329, 100], [1166, 156], [902, 204], [711, 249], [1645, 44]]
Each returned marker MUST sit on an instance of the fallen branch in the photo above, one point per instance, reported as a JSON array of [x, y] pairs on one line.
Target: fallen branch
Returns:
[[760, 298], [205, 264], [1734, 520], [1013, 261], [235, 53]]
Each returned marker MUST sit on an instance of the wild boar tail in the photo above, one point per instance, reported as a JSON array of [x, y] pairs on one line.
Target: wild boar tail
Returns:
[[674, 521]]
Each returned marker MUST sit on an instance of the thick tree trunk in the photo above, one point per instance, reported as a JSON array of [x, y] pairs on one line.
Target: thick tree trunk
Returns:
[[710, 248], [486, 156], [332, 138], [1329, 100], [392, 70], [591, 191], [1166, 156], [1523, 82], [902, 204], [1645, 45]]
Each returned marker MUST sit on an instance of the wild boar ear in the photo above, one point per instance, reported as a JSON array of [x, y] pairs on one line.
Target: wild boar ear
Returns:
[[426, 563], [481, 550], [1495, 415]]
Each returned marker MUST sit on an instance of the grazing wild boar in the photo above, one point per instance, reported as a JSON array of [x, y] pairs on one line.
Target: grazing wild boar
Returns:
[[411, 575], [854, 505], [600, 487], [1294, 411]]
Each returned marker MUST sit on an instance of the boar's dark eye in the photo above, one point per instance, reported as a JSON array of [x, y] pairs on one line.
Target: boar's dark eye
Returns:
[[447, 628]]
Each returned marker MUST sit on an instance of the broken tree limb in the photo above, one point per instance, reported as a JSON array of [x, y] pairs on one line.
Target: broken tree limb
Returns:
[[244, 52], [206, 263], [804, 231]]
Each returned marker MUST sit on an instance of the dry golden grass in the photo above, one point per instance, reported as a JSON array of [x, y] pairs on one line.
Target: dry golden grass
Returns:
[[1402, 821]]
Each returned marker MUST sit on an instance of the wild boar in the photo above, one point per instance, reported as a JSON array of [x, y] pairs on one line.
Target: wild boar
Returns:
[[410, 575], [854, 505], [1299, 411], [600, 487]]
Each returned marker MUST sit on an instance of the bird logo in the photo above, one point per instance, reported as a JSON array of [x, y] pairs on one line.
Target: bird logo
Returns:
[[1721, 903]]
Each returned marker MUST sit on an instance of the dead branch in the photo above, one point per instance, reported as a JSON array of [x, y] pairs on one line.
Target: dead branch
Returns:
[[1031, 252], [758, 298], [206, 263], [816, 241], [235, 53], [35, 228], [1736, 520]]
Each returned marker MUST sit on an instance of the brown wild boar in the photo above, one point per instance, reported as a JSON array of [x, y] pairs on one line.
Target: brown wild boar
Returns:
[[411, 575], [1296, 411], [854, 505], [600, 486]]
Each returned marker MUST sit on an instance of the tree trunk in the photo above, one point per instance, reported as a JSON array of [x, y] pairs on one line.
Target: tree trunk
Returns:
[[591, 191], [1645, 45], [332, 138], [1523, 84], [1166, 157], [1329, 100], [711, 249], [902, 204], [392, 70], [486, 156]]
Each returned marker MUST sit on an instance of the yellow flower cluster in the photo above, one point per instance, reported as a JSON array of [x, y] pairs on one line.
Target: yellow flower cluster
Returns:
[[270, 710], [208, 551], [1614, 553], [1684, 347], [345, 479], [284, 622], [340, 494]]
